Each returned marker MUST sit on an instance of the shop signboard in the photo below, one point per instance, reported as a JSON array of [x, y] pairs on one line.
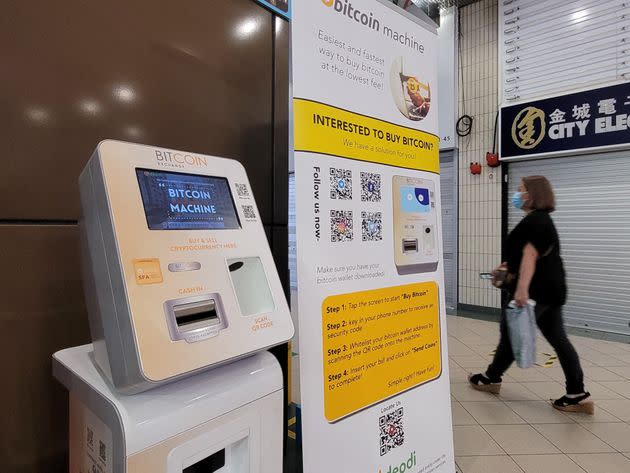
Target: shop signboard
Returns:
[[581, 122], [282, 7], [375, 391]]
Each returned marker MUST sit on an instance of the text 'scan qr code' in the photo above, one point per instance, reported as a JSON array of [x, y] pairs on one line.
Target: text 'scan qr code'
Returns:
[[340, 184], [242, 190], [392, 434], [248, 211], [372, 226], [370, 187], [341, 226]]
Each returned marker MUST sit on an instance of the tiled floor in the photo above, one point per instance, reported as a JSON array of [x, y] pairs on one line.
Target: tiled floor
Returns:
[[518, 431]]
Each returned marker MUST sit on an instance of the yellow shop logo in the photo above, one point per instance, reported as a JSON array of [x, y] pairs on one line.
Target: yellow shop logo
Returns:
[[528, 128], [328, 3]]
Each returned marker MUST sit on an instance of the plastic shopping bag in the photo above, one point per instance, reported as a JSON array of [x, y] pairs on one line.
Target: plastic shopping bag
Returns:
[[521, 323]]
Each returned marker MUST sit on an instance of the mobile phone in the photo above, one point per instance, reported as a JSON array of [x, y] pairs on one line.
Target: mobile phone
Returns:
[[485, 275]]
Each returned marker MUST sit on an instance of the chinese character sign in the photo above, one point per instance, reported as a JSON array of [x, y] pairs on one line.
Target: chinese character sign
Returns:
[[589, 120]]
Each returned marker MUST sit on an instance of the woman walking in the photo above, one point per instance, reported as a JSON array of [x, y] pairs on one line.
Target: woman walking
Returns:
[[534, 270]]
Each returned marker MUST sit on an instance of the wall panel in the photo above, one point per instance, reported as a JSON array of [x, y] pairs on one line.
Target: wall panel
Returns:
[[480, 195], [196, 78], [42, 311]]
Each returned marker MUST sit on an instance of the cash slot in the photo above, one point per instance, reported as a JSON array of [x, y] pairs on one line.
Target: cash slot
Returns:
[[196, 314], [410, 245], [195, 318]]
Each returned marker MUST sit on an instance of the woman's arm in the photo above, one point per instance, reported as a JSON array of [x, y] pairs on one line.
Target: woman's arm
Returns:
[[526, 273]]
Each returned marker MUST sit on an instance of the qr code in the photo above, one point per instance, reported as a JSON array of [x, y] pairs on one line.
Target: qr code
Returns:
[[340, 184], [248, 211], [372, 226], [242, 190], [392, 434], [340, 225], [370, 187], [102, 451]]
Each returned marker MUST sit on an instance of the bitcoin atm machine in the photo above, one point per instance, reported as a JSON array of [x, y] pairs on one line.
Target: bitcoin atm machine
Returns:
[[179, 278], [415, 225]]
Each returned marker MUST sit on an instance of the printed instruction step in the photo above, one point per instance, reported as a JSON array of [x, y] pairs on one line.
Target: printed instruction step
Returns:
[[377, 344]]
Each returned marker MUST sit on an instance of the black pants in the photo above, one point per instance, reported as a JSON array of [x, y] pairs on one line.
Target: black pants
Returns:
[[549, 320]]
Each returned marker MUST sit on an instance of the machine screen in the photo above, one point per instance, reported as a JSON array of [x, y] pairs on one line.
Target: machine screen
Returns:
[[175, 201], [415, 199]]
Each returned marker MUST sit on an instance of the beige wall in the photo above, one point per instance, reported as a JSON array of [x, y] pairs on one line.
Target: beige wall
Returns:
[[479, 196]]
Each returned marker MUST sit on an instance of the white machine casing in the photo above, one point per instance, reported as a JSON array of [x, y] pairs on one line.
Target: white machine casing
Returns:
[[227, 420], [221, 284], [416, 244]]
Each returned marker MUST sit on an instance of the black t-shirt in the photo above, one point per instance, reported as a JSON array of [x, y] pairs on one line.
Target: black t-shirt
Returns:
[[548, 285]]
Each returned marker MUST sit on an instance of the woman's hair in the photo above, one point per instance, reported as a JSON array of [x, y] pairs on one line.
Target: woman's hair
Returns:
[[541, 195]]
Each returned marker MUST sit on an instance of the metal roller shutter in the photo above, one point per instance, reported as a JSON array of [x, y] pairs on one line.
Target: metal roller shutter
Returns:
[[449, 226], [593, 220], [557, 45]]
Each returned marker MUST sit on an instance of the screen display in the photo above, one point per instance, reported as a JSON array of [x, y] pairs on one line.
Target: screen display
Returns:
[[415, 199], [175, 201]]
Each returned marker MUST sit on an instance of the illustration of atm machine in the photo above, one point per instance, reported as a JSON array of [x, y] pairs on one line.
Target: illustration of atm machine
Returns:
[[178, 278], [415, 225]]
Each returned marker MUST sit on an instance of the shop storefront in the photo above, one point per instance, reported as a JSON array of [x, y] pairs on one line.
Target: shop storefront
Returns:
[[581, 142]]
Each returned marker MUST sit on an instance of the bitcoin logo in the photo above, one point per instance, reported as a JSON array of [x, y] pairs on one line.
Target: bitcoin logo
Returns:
[[529, 128]]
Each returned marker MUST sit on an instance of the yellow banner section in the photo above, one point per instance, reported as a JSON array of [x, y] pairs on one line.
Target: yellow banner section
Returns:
[[324, 129], [377, 344]]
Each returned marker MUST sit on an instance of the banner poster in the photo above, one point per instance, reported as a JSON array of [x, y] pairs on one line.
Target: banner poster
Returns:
[[372, 325]]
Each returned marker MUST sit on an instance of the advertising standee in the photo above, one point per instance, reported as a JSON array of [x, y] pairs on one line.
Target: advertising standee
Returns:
[[373, 366]]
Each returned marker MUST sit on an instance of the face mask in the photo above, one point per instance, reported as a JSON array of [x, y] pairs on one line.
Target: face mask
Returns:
[[517, 200]]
